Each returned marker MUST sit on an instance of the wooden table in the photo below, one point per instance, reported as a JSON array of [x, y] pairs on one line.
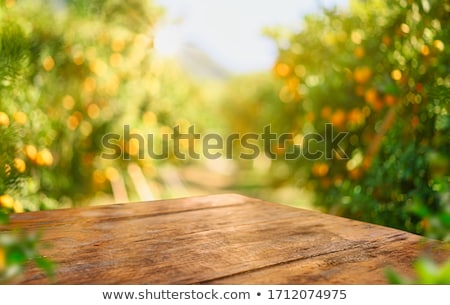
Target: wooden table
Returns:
[[220, 239]]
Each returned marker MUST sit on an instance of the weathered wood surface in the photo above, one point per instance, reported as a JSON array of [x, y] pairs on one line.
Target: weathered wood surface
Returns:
[[226, 239]]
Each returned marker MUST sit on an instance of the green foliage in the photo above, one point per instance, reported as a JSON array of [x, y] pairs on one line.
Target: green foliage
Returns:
[[70, 73], [17, 249], [10, 176], [380, 72], [427, 272], [82, 69], [13, 47]]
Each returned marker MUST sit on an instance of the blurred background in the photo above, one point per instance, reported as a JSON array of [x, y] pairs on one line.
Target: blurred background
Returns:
[[72, 71]]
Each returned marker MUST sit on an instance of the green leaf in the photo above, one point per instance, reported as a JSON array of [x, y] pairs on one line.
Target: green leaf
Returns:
[[46, 265], [427, 270], [444, 273], [394, 278], [4, 217], [15, 256]]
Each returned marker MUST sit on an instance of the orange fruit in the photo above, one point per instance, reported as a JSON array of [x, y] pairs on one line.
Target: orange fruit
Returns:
[[112, 174], [282, 69], [338, 118], [396, 74], [72, 122], [4, 119], [44, 157], [356, 116], [115, 60], [362, 75], [390, 99], [6, 201], [320, 169], [2, 259], [20, 165], [98, 176], [371, 96], [30, 152], [20, 117], [48, 63], [425, 50], [438, 44], [17, 206], [292, 83]]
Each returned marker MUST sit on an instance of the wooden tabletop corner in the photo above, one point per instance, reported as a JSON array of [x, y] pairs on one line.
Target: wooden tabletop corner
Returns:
[[218, 239]]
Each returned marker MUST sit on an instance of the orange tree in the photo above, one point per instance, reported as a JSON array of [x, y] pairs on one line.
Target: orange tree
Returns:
[[380, 72], [71, 72], [15, 247], [86, 61], [85, 68]]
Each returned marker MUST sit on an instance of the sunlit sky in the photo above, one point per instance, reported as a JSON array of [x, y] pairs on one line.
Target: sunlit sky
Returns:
[[230, 31]]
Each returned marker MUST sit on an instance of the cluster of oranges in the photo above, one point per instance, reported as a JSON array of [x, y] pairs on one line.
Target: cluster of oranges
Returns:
[[41, 157], [19, 117], [8, 202], [361, 76]]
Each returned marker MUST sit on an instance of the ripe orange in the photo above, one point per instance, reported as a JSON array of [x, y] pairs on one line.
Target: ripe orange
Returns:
[[320, 169], [371, 96], [20, 117], [20, 165], [338, 118], [362, 75], [30, 152], [44, 158], [282, 69], [6, 201], [4, 119], [390, 99], [2, 259], [18, 208], [356, 116]]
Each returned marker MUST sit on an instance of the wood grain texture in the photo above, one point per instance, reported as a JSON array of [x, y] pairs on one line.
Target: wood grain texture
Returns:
[[220, 239]]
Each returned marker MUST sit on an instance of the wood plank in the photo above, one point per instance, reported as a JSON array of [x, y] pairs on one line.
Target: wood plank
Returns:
[[40, 219], [363, 264], [217, 239]]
